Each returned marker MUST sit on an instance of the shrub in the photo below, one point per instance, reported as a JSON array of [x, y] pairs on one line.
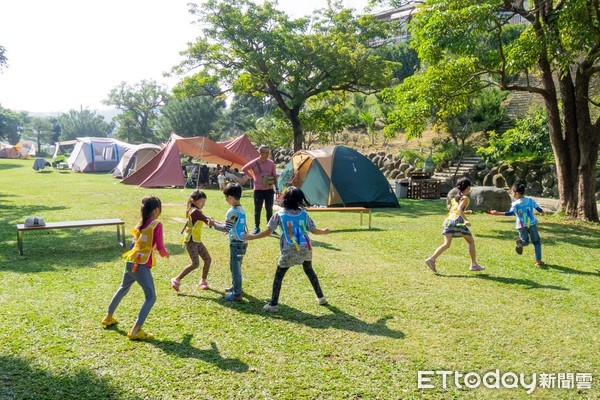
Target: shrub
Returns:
[[529, 138]]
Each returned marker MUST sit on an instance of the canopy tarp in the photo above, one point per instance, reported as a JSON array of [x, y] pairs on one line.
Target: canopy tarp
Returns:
[[165, 168]]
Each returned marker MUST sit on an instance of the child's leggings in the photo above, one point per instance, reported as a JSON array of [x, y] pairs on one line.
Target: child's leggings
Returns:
[[196, 251], [143, 276], [280, 273]]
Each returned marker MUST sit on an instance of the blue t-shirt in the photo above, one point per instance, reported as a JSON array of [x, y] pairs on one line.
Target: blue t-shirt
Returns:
[[523, 210]]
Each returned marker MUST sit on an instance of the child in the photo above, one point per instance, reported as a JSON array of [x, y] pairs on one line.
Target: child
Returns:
[[235, 226], [221, 179], [294, 243], [523, 208], [148, 235], [193, 240], [456, 225]]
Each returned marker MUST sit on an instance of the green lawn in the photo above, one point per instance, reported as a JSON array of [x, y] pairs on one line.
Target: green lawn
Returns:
[[388, 318]]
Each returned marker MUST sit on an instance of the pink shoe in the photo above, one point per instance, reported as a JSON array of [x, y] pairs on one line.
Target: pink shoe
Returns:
[[204, 286], [175, 284], [431, 264]]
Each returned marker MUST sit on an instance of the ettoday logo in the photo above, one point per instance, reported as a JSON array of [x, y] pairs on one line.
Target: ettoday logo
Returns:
[[508, 380]]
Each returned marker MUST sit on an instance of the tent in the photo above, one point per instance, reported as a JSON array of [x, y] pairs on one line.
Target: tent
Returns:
[[165, 168], [8, 151], [134, 158], [26, 148], [92, 154], [338, 176], [242, 146]]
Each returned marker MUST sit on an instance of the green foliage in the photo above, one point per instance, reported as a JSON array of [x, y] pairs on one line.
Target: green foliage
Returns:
[[449, 151], [12, 124], [195, 116], [272, 131], [140, 104], [244, 111], [40, 131], [529, 138], [258, 50], [325, 117], [404, 56], [81, 124], [412, 157]]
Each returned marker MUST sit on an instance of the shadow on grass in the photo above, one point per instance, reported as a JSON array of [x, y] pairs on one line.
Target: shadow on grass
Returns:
[[20, 380], [552, 233], [338, 319], [62, 249], [4, 166], [184, 349], [508, 281], [567, 270], [14, 214]]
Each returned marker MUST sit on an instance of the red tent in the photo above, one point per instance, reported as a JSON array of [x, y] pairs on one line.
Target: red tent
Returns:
[[242, 146], [165, 168]]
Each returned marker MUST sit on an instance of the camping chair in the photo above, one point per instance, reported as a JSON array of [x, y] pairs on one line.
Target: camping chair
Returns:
[[60, 162]]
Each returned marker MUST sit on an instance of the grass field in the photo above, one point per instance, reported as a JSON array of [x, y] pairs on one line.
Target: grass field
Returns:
[[388, 316]]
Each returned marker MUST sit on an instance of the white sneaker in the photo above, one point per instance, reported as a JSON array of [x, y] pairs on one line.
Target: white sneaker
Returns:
[[476, 267], [322, 300], [269, 307]]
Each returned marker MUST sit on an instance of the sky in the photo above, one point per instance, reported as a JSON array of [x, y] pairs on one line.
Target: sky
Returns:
[[69, 54]]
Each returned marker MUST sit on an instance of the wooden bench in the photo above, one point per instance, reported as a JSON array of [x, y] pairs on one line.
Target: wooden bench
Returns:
[[360, 210], [72, 224]]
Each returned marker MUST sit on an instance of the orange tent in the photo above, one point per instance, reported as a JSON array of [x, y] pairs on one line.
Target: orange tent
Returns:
[[165, 168]]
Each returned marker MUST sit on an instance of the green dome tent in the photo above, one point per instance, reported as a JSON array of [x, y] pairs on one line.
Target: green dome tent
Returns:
[[338, 176]]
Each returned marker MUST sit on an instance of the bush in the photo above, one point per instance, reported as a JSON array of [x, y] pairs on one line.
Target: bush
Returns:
[[412, 157], [530, 138], [448, 151]]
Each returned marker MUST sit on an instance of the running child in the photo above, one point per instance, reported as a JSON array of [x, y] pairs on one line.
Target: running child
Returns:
[[148, 235], [526, 222], [456, 225], [193, 240], [294, 243]]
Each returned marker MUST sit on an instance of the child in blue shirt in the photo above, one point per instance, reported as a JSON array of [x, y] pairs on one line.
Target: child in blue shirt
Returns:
[[526, 222], [235, 227]]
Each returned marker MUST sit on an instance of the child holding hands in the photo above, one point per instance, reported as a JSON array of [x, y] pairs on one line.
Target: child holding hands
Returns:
[[148, 235], [235, 227], [294, 246], [193, 240], [456, 225], [526, 222]]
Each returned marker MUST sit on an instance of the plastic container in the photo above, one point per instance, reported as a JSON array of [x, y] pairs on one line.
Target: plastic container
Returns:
[[402, 188]]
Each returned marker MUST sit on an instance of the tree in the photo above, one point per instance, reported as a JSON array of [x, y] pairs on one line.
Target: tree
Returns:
[[12, 124], [40, 129], [466, 45], [257, 49], [140, 104], [81, 124], [195, 116], [244, 111], [3, 59]]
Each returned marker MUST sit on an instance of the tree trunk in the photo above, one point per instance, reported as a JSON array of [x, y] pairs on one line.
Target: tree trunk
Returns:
[[296, 128], [574, 143]]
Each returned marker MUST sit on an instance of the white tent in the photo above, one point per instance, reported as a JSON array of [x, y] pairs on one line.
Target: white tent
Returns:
[[26, 148], [92, 154], [134, 158]]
